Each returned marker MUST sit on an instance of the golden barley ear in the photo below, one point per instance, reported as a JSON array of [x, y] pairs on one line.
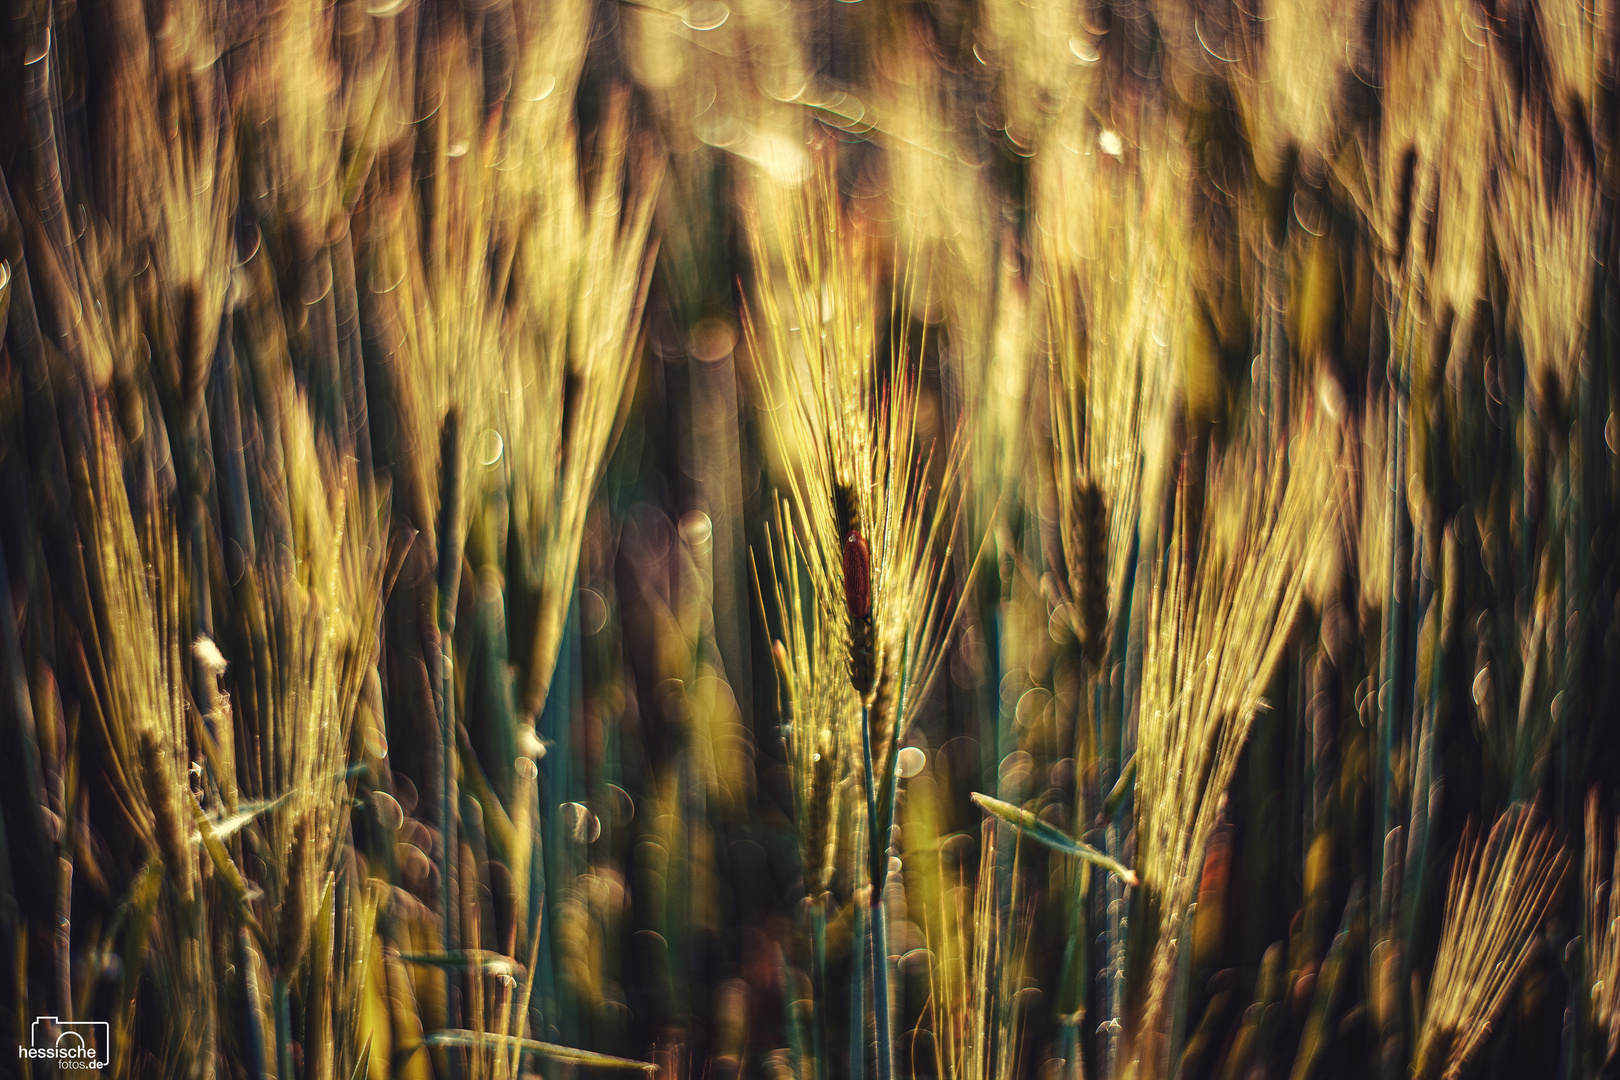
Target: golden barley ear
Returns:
[[1501, 889], [875, 506], [157, 778], [1601, 941], [1222, 616], [135, 645], [818, 706]]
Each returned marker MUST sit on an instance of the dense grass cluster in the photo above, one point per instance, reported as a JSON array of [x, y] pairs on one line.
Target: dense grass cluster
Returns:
[[811, 540]]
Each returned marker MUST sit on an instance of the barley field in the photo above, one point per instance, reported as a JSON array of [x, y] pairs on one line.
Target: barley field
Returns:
[[805, 540]]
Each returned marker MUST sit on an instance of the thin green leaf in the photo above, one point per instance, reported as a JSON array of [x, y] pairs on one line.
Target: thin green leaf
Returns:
[[565, 1054], [235, 885], [491, 963], [231, 824], [1039, 831], [1125, 785], [362, 1067]]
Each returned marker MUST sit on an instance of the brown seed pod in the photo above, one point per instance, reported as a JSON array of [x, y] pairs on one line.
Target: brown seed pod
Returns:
[[857, 557], [862, 656], [1089, 571], [881, 715], [857, 576], [857, 561]]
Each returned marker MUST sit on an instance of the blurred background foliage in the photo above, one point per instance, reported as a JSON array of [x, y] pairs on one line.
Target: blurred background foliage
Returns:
[[811, 540]]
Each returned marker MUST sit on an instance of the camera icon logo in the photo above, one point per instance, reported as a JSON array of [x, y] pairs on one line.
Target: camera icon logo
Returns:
[[72, 1044]]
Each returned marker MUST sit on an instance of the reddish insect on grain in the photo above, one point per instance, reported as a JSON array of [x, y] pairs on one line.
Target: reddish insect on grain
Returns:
[[857, 590], [857, 576]]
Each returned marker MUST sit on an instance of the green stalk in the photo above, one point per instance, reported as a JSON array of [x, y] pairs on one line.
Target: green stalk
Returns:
[[1111, 708], [1076, 956], [19, 972], [450, 545], [818, 978], [255, 1006], [1392, 677], [566, 1055], [562, 785], [279, 998], [793, 1020], [1181, 992], [1425, 703], [143, 899], [857, 999], [878, 924], [1331, 984]]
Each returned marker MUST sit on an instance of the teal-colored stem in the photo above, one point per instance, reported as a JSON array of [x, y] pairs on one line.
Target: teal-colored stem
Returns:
[[880, 985], [451, 538], [857, 1003], [1424, 705], [283, 1008], [878, 924], [254, 1028], [1392, 675], [1111, 708], [1182, 993], [818, 978]]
